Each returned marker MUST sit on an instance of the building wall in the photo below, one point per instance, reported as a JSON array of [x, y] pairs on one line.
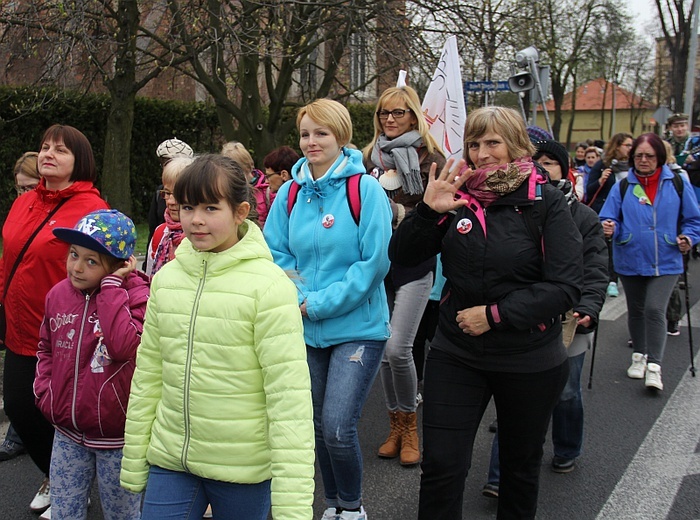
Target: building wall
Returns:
[[587, 124]]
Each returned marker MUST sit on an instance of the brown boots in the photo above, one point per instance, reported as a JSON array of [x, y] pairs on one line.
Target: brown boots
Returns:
[[392, 444], [402, 439]]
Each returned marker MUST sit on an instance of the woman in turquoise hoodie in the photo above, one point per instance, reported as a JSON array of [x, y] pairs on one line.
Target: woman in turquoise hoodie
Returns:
[[330, 230]]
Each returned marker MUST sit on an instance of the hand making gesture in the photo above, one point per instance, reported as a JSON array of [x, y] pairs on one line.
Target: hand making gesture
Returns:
[[441, 190]]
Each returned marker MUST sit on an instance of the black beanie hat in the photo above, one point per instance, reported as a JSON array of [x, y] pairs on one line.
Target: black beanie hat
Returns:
[[556, 151]]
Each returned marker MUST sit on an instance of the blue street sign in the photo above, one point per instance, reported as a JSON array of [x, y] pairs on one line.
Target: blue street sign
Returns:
[[481, 86]]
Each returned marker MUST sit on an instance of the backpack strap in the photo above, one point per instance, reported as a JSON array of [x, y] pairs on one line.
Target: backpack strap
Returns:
[[677, 184], [292, 198], [535, 217], [352, 188]]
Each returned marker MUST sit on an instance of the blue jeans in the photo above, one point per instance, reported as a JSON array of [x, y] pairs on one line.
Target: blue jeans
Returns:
[[176, 495], [567, 418], [341, 377], [567, 421]]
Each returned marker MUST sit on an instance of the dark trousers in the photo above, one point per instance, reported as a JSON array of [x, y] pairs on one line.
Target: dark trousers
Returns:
[[425, 333], [29, 423], [456, 396]]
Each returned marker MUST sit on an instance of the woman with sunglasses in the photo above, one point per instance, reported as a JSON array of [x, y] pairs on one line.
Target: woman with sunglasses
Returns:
[[400, 156], [652, 224]]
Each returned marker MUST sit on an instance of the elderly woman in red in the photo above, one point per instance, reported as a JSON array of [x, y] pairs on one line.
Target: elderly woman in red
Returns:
[[33, 261]]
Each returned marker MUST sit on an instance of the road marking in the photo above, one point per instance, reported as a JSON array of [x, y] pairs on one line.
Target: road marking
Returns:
[[651, 482], [613, 308]]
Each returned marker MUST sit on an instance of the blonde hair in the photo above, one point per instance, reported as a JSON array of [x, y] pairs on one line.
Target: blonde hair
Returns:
[[670, 158], [503, 121], [330, 114], [236, 151], [26, 165], [409, 97], [593, 149], [174, 167]]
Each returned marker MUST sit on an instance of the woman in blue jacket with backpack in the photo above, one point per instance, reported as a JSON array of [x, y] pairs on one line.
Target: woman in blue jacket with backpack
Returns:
[[329, 229], [653, 219]]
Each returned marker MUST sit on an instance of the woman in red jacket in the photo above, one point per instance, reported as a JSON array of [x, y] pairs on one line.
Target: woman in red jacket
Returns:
[[67, 167]]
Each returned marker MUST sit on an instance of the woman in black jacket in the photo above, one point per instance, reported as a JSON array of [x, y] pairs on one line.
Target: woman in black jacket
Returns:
[[511, 255]]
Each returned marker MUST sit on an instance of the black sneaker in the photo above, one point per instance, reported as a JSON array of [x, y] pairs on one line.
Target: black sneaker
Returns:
[[490, 490], [9, 450], [562, 465], [672, 329]]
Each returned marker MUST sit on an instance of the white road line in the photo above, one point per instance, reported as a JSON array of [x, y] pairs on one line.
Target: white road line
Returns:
[[613, 308], [650, 484]]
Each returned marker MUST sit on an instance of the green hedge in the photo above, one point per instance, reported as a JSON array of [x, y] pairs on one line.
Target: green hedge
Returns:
[[26, 112]]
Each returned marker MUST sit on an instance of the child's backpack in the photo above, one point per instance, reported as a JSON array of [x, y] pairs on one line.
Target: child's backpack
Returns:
[[352, 190]]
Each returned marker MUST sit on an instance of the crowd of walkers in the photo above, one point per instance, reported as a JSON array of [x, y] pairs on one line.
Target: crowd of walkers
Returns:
[[212, 381]]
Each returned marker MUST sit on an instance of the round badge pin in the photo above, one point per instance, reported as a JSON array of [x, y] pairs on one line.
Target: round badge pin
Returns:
[[328, 220], [464, 226], [643, 200]]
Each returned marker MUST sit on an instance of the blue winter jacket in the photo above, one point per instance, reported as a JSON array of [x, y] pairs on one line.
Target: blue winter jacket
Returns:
[[644, 242], [337, 265]]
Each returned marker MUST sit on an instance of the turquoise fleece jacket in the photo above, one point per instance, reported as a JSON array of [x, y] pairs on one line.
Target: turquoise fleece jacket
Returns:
[[337, 266], [221, 388]]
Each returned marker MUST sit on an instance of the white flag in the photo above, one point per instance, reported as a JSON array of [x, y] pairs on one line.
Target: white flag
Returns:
[[401, 82], [443, 105]]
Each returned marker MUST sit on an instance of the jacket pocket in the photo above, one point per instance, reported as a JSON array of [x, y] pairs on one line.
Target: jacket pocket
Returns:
[[624, 239], [671, 241]]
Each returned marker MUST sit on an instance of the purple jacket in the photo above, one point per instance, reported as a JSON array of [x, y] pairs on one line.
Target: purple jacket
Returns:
[[86, 358]]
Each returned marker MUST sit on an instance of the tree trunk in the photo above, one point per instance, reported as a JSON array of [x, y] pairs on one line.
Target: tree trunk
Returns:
[[116, 182]]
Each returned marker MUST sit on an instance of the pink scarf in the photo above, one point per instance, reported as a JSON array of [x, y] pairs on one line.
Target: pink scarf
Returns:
[[494, 181], [172, 236]]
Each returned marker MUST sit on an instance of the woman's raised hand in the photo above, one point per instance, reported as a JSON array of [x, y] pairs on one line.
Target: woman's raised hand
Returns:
[[441, 190]]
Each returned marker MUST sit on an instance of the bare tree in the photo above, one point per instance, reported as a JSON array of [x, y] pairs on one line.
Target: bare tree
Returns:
[[84, 43], [258, 59], [675, 20]]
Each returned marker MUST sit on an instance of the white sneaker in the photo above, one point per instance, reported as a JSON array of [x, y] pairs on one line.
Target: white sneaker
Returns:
[[329, 514], [353, 515], [638, 366], [42, 499], [46, 515], [653, 379]]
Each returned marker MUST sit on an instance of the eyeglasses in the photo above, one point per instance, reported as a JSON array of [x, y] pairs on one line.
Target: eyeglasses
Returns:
[[268, 175], [24, 189], [648, 156], [164, 194], [396, 114]]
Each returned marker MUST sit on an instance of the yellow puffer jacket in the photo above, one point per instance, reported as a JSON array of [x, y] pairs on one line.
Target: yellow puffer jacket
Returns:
[[221, 388]]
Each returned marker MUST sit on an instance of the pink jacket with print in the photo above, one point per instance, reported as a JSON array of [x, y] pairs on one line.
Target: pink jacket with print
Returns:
[[86, 358]]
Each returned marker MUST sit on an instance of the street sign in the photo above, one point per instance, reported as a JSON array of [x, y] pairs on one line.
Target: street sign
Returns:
[[483, 86]]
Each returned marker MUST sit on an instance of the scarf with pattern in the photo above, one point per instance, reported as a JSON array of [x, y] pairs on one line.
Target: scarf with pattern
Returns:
[[496, 180]]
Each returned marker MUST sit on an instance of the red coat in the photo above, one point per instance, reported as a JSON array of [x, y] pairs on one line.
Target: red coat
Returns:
[[87, 355], [44, 263]]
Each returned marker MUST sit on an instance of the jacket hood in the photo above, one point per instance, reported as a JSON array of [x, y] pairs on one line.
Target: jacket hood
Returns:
[[666, 173], [51, 196], [251, 245]]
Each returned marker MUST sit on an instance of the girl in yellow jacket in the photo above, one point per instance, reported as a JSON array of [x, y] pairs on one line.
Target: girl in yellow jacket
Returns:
[[220, 405]]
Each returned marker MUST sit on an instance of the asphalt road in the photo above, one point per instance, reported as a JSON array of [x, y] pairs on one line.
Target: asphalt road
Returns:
[[641, 455]]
